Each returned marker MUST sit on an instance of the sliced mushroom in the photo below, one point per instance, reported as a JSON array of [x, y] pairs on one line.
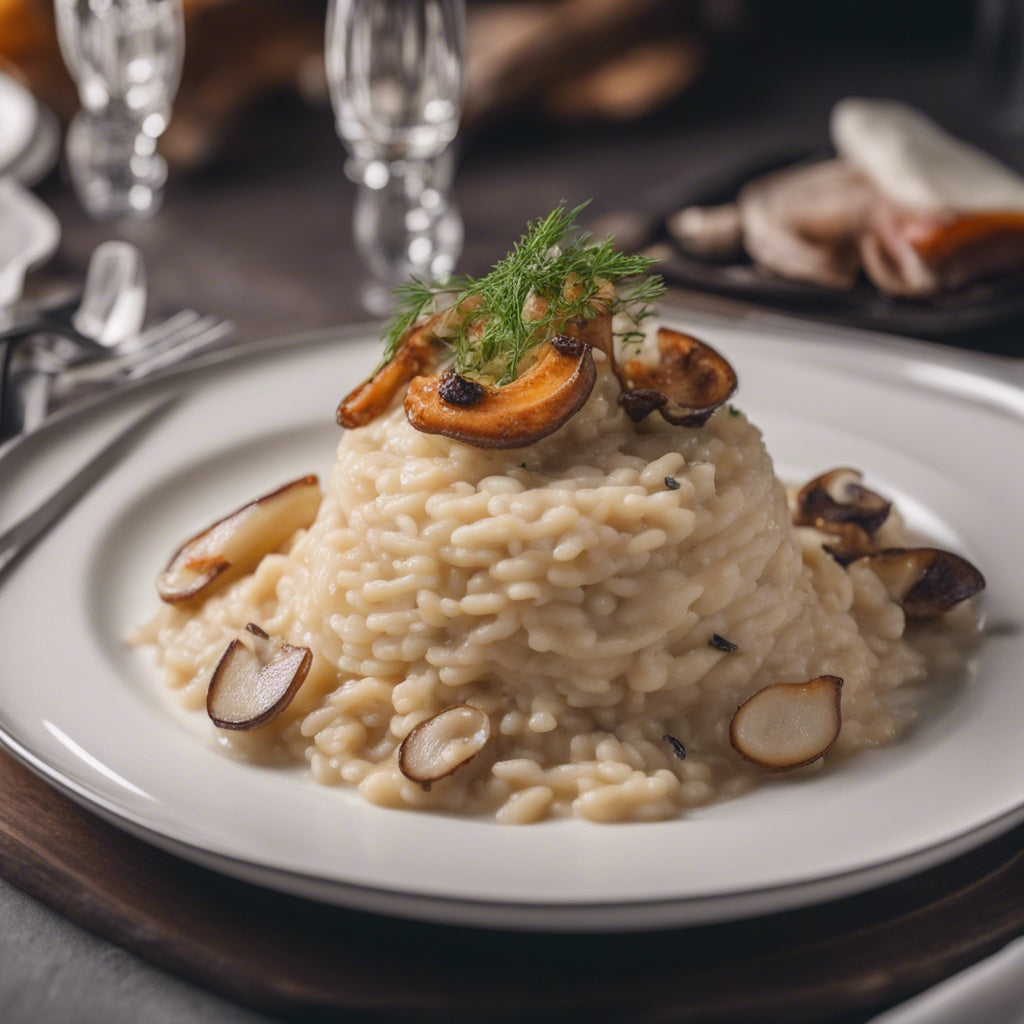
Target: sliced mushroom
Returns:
[[788, 725], [443, 744], [417, 353], [234, 545], [514, 415], [925, 582], [255, 680], [596, 329], [837, 503], [688, 384]]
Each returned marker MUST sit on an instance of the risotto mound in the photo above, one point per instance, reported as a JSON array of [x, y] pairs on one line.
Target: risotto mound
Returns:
[[550, 597], [577, 591]]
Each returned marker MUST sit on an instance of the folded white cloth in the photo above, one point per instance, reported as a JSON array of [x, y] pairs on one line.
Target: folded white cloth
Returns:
[[31, 233], [989, 992]]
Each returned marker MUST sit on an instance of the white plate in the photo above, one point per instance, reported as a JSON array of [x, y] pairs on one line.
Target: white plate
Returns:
[[19, 115], [941, 431]]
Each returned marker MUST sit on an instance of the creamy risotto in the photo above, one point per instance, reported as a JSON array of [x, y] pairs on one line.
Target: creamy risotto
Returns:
[[595, 604]]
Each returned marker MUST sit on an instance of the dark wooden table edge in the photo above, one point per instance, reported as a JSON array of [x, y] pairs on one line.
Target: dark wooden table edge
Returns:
[[305, 961]]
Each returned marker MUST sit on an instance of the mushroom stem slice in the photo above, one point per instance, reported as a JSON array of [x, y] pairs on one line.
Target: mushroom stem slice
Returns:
[[234, 545], [837, 498], [514, 415], [925, 582], [416, 354], [788, 725], [444, 744], [690, 381], [255, 680]]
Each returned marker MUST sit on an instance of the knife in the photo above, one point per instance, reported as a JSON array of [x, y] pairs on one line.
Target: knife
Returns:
[[16, 541]]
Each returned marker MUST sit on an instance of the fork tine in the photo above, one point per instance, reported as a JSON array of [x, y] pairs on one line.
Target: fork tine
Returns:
[[106, 369], [211, 333], [78, 381], [155, 334]]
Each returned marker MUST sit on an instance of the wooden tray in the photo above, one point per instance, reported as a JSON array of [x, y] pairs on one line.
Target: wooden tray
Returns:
[[842, 961]]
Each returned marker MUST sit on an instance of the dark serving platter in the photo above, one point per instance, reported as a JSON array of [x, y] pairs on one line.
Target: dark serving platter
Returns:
[[978, 307]]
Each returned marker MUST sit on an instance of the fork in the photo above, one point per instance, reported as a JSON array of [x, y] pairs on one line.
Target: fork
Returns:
[[50, 384], [171, 341]]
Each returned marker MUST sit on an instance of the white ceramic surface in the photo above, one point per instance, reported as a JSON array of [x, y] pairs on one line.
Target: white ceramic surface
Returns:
[[941, 431], [30, 235], [18, 121]]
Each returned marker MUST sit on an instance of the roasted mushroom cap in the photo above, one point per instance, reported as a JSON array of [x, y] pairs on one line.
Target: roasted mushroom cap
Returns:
[[255, 680], [925, 582], [443, 744], [836, 498], [514, 415], [788, 725], [234, 545], [688, 384]]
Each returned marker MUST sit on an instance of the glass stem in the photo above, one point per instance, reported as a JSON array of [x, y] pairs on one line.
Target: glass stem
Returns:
[[114, 165], [406, 223]]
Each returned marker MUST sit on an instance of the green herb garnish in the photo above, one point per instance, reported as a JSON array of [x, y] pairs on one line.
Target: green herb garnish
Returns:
[[553, 251]]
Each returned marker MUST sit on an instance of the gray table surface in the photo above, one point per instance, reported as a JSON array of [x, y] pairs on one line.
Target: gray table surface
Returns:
[[277, 211]]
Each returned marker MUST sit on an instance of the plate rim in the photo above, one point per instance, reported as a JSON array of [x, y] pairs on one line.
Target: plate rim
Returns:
[[649, 912]]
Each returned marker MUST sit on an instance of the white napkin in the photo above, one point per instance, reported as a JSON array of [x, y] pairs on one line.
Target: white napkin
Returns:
[[990, 992], [19, 114], [30, 234]]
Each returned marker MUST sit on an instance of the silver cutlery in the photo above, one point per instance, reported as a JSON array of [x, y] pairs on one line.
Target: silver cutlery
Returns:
[[113, 303], [16, 541], [168, 343], [180, 339], [107, 318], [40, 379]]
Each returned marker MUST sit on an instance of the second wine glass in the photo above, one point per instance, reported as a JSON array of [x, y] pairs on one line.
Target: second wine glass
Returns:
[[396, 75], [126, 58]]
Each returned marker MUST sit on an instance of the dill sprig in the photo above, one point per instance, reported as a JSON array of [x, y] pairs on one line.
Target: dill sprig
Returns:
[[411, 299], [553, 251]]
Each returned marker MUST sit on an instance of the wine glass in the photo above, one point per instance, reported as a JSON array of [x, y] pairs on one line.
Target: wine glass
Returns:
[[396, 73], [126, 58]]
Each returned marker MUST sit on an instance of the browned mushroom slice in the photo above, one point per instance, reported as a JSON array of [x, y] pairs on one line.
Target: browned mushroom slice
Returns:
[[850, 543], [517, 414], [925, 582], [417, 353], [688, 384], [788, 725], [255, 680], [595, 330], [837, 498], [443, 744], [234, 545]]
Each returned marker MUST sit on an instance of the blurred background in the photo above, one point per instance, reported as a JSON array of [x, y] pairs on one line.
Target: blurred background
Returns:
[[623, 102]]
